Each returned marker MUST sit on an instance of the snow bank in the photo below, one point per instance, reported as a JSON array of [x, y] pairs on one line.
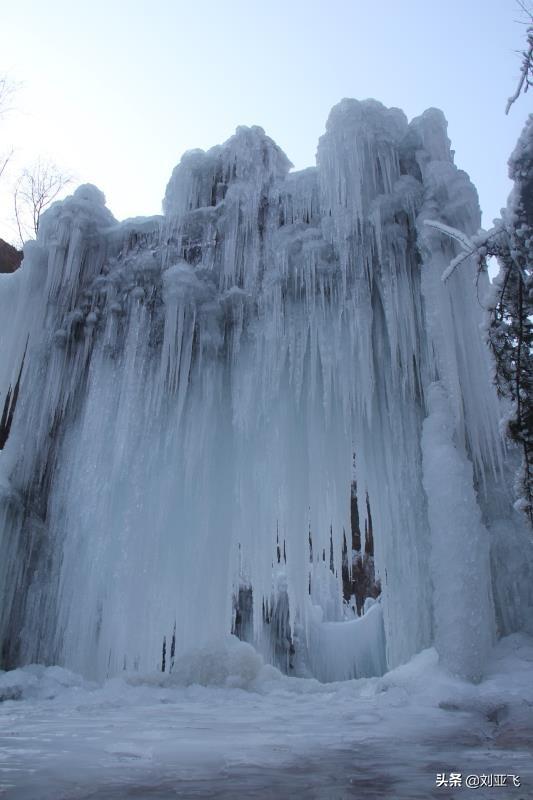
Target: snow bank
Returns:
[[36, 682]]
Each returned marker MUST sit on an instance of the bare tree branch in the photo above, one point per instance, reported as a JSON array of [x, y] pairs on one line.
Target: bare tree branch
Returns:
[[4, 161], [8, 89], [17, 214], [526, 72], [35, 189]]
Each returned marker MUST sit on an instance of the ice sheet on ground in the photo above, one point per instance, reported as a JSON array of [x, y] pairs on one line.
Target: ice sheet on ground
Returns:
[[154, 736]]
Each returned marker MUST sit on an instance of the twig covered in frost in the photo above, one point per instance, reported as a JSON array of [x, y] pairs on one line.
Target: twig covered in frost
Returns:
[[526, 71], [475, 246]]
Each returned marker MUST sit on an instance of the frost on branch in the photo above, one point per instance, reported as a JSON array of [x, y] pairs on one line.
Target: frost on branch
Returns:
[[480, 245], [526, 71], [510, 305]]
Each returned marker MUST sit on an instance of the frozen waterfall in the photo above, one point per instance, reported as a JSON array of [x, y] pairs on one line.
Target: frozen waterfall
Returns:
[[194, 388]]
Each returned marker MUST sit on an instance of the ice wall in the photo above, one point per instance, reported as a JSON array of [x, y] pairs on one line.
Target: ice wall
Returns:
[[460, 552], [195, 386]]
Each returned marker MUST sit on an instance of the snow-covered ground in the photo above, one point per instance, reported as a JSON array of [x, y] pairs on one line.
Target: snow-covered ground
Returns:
[[252, 733]]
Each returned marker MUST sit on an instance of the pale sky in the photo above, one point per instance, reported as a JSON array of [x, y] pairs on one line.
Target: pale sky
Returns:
[[115, 92]]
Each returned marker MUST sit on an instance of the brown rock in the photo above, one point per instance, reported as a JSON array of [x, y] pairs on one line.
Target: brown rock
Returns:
[[10, 257]]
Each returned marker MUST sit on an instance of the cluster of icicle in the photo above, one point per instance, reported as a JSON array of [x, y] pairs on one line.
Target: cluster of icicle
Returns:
[[194, 389]]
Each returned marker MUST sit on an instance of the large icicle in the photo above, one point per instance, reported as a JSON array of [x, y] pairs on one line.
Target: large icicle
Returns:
[[194, 388], [460, 546]]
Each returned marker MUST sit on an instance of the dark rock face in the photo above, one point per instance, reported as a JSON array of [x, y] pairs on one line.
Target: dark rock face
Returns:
[[358, 574], [10, 257]]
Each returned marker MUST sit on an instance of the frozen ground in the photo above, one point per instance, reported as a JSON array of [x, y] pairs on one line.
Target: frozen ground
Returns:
[[255, 734]]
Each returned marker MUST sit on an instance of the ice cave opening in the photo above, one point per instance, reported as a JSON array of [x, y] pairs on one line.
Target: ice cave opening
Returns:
[[184, 395]]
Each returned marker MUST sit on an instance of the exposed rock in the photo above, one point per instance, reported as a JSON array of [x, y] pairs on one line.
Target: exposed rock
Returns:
[[10, 257]]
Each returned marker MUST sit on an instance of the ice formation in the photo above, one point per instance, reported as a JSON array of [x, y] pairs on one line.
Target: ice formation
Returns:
[[194, 389]]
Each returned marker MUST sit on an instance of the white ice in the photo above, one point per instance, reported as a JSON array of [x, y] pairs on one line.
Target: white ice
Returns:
[[195, 387], [254, 733]]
